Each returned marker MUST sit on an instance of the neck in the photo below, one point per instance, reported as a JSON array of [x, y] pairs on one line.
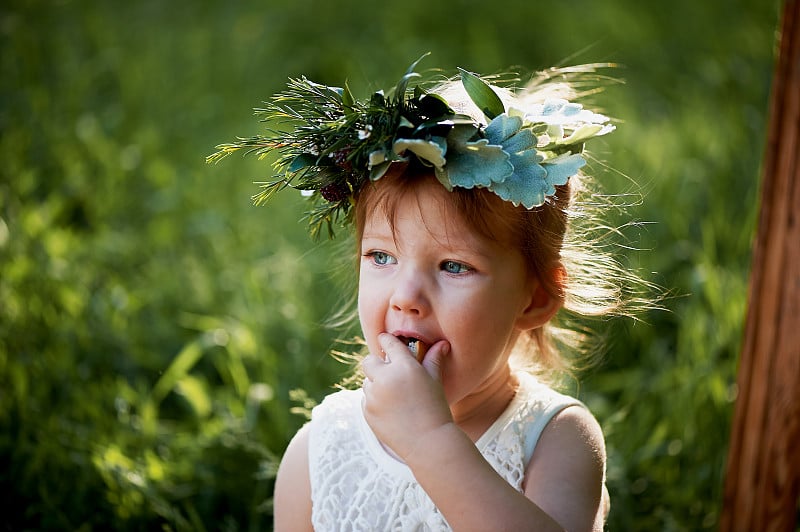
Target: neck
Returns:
[[476, 412]]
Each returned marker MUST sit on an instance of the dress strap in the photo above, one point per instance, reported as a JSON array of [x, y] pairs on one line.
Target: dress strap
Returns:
[[545, 405]]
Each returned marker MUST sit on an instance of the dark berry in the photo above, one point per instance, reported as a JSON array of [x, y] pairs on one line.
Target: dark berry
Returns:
[[340, 159], [335, 192]]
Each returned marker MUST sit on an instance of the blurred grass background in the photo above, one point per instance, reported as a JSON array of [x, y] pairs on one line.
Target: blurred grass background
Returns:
[[153, 324]]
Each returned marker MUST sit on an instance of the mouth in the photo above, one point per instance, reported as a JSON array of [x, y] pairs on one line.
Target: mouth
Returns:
[[415, 345]]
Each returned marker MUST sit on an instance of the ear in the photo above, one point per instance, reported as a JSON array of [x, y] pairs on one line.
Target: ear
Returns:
[[543, 304]]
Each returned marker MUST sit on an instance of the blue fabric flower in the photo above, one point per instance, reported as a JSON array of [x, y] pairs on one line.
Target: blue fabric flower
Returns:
[[473, 163], [567, 123], [533, 179], [527, 184], [560, 169], [556, 111]]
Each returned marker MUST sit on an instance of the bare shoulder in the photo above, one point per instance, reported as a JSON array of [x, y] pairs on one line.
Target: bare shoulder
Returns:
[[575, 431], [293, 486], [565, 476]]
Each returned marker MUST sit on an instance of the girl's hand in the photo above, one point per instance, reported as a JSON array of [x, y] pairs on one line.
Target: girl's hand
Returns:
[[404, 400]]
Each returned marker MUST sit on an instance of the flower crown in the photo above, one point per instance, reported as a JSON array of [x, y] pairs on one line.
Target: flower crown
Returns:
[[336, 144]]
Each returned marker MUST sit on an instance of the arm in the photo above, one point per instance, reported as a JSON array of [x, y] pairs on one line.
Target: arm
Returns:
[[565, 475], [563, 487], [467, 490], [405, 407], [293, 487]]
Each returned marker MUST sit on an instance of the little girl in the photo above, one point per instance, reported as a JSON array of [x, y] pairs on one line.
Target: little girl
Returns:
[[460, 197]]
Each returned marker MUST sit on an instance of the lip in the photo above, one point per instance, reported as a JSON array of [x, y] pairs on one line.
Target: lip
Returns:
[[412, 334]]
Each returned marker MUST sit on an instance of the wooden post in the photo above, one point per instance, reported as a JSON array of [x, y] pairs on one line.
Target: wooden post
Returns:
[[763, 477]]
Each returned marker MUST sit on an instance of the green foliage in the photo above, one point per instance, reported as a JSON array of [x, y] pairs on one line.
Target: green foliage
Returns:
[[329, 145], [155, 327], [482, 94]]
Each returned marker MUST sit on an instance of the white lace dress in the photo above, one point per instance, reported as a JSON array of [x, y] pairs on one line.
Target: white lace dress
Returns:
[[357, 486]]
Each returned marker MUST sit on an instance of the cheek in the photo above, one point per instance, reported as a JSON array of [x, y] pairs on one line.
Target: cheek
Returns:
[[368, 311], [363, 312], [486, 333], [371, 321], [361, 288]]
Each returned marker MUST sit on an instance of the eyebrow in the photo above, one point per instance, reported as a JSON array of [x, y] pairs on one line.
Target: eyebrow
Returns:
[[481, 251]]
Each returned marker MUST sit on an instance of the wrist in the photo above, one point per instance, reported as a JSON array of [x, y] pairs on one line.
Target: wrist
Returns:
[[435, 447]]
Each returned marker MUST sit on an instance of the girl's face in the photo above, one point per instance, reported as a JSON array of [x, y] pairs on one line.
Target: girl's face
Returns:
[[433, 279]]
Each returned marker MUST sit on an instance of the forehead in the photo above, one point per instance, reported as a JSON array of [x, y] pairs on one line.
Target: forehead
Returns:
[[425, 212]]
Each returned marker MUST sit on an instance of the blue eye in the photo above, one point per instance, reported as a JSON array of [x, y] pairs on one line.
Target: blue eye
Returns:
[[381, 259], [451, 266]]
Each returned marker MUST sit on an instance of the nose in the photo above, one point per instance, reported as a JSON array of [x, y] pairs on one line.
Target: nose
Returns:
[[409, 293]]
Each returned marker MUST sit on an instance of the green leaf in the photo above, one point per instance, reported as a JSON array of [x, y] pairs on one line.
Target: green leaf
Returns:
[[431, 151], [302, 161], [582, 134], [196, 393], [347, 100], [400, 90], [376, 157], [379, 170], [482, 94], [378, 99], [405, 123], [434, 106], [413, 66], [177, 370]]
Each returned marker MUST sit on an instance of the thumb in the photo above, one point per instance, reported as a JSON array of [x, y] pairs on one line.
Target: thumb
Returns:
[[434, 358]]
